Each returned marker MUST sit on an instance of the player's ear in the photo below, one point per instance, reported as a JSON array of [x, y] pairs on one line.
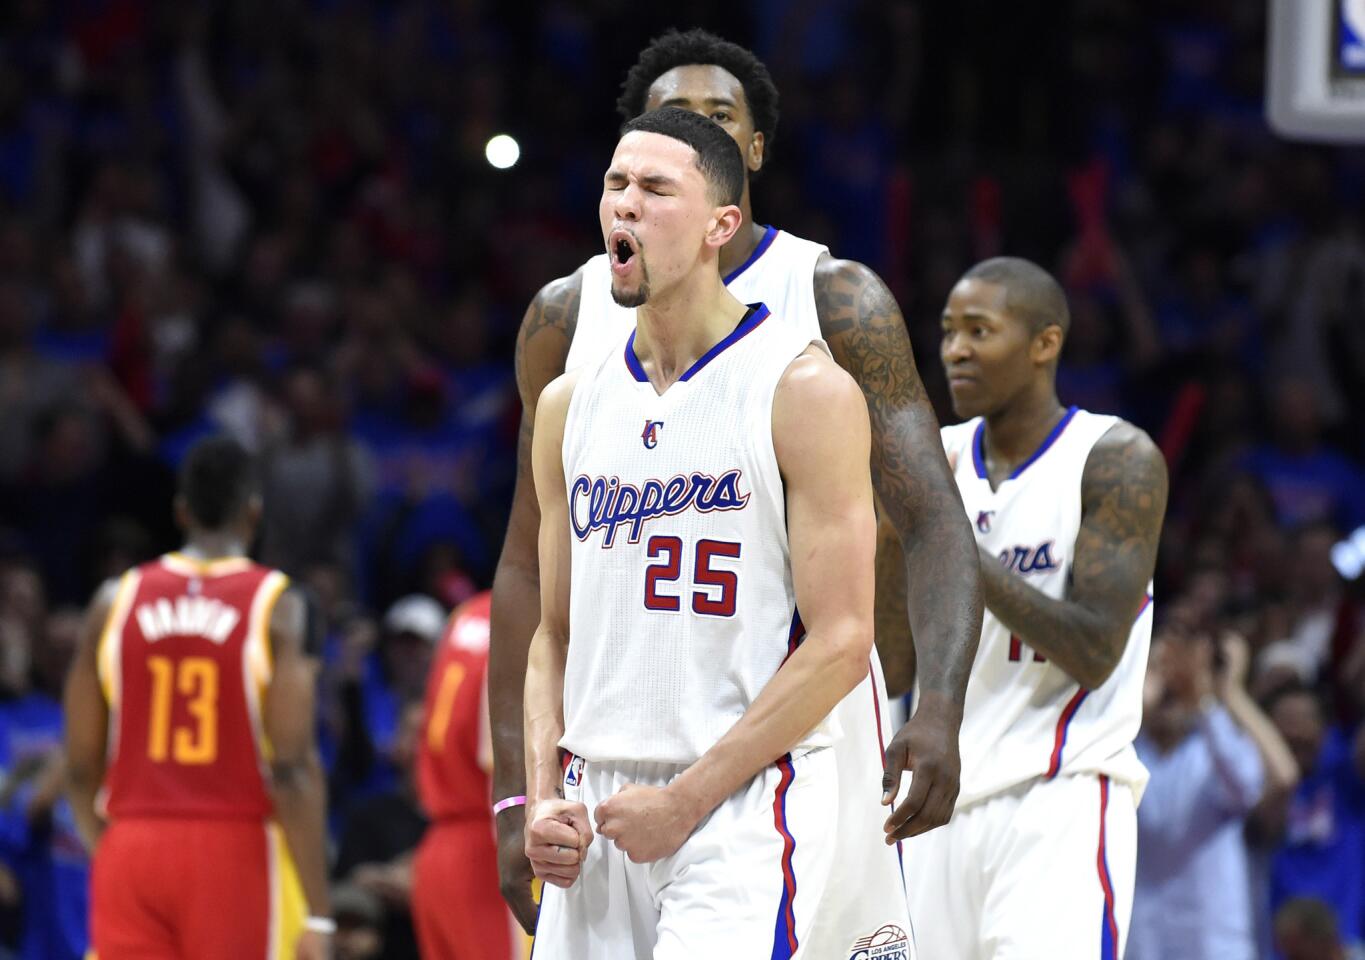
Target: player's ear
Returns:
[[754, 155], [725, 223], [1047, 344]]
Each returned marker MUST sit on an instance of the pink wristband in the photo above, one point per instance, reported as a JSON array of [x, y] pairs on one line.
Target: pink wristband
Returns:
[[502, 805]]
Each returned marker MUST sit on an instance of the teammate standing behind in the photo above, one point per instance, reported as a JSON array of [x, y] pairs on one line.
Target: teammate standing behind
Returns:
[[572, 320], [189, 730], [696, 486], [1039, 859], [455, 904]]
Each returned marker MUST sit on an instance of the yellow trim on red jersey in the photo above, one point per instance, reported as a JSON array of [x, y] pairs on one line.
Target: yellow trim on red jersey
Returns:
[[288, 907], [177, 562], [110, 646]]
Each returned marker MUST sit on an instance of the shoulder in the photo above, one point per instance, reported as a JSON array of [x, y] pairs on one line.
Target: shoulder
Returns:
[[1125, 456], [847, 289], [552, 409], [815, 388], [547, 329]]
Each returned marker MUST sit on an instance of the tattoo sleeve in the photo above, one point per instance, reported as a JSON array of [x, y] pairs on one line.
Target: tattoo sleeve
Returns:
[[542, 348], [1123, 502], [867, 335]]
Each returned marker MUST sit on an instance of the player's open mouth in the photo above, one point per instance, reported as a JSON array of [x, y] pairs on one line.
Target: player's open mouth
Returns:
[[622, 247]]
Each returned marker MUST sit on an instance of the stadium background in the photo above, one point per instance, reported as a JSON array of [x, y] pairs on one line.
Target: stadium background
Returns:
[[277, 219]]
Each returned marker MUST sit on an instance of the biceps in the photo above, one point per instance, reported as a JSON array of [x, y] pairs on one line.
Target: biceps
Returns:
[[832, 549], [554, 562], [1110, 573]]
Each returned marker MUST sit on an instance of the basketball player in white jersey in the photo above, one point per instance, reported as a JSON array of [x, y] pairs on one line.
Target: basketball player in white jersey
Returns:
[[1039, 858], [698, 484], [573, 319]]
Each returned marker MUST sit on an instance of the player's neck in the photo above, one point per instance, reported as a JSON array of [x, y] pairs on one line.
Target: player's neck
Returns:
[[1015, 433], [745, 240], [675, 329], [214, 546]]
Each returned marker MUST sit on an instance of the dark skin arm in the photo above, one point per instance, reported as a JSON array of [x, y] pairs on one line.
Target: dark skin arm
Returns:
[[87, 721], [542, 348], [297, 787], [1123, 501], [866, 333]]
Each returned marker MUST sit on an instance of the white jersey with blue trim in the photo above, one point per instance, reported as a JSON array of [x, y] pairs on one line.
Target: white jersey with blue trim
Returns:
[[1024, 717], [780, 272], [682, 605]]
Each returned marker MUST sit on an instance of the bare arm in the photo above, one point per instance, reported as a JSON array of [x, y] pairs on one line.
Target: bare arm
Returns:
[[822, 439], [558, 832], [87, 720], [1123, 502], [542, 347], [297, 786], [550, 642], [867, 335]]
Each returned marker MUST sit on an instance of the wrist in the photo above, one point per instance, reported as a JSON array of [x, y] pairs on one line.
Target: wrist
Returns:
[[320, 924], [689, 796], [940, 704], [509, 803]]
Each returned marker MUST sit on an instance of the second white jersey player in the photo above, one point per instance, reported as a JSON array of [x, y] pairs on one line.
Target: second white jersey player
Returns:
[[1024, 717]]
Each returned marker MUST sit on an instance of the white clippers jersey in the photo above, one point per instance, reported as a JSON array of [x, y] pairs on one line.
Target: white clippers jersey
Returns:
[[780, 272], [1024, 717], [681, 601]]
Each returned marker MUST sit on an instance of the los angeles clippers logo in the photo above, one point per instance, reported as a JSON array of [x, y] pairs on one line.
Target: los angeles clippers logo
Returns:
[[889, 942], [983, 520], [608, 503], [651, 433]]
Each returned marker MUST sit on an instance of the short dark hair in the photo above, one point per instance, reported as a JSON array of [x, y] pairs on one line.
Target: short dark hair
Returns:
[[718, 156], [1031, 293], [702, 48], [217, 479]]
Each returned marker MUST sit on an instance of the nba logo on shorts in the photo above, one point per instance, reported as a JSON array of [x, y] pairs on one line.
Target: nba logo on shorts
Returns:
[[888, 942], [651, 433], [573, 774]]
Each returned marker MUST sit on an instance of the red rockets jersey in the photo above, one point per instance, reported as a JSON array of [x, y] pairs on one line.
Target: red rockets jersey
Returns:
[[450, 779], [184, 662]]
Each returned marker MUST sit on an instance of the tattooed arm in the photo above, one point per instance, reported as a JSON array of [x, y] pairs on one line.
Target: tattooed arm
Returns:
[[1123, 501], [867, 335], [542, 348]]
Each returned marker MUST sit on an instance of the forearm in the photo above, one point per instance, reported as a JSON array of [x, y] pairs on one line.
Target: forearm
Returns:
[[892, 636], [300, 797], [945, 598], [1072, 637], [515, 616], [802, 693], [544, 716], [1281, 770], [82, 786]]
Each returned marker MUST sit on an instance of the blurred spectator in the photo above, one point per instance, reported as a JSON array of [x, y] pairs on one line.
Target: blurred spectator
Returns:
[[359, 918], [1308, 480], [379, 840], [1213, 756], [1306, 930], [1317, 833], [315, 480]]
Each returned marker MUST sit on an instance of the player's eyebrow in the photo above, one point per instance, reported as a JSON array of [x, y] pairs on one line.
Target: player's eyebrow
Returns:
[[709, 101], [657, 180]]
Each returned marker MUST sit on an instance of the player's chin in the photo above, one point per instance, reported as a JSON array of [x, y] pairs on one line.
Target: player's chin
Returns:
[[967, 399], [629, 296]]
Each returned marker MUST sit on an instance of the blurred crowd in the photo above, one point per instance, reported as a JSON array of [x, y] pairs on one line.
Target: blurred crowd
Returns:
[[276, 219]]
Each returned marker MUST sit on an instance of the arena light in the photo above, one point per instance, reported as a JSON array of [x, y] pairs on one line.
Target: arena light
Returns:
[[502, 151]]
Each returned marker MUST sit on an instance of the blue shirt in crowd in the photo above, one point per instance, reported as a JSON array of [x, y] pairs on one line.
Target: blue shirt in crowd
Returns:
[[1193, 894]]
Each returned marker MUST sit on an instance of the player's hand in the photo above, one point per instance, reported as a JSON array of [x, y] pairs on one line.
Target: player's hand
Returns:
[[514, 870], [558, 835], [313, 946], [647, 823], [927, 746]]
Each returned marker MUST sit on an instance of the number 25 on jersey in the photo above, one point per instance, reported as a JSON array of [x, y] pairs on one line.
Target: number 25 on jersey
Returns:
[[717, 599]]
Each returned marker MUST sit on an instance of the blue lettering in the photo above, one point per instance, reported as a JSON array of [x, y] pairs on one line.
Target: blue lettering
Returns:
[[612, 504]]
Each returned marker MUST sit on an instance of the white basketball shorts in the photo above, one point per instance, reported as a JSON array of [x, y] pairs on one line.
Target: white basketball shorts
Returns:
[[747, 883], [1043, 870]]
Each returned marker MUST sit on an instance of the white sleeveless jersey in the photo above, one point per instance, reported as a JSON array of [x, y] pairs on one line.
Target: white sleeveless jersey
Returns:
[[780, 272], [1024, 717], [681, 599]]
